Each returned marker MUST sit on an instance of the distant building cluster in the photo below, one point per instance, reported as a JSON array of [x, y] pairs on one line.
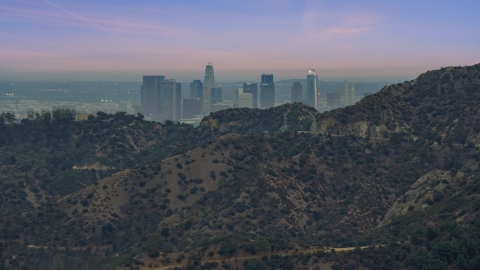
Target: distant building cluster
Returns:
[[161, 99]]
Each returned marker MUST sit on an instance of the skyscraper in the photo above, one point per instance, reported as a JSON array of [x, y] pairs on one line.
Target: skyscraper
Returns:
[[172, 100], [216, 95], [178, 102], [208, 84], [191, 107], [251, 88], [312, 91], [333, 100], [349, 97], [236, 93], [296, 92], [152, 96], [245, 100], [196, 90], [267, 91]]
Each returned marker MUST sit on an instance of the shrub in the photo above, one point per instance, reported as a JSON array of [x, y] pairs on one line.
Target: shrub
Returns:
[[438, 196]]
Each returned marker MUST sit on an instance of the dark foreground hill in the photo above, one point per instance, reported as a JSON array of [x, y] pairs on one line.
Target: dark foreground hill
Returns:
[[43, 158], [399, 169]]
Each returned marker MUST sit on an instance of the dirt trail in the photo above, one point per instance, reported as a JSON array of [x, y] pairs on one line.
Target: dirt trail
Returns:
[[284, 253], [63, 248]]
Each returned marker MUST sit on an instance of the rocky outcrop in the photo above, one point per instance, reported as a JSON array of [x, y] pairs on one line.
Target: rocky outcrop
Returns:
[[419, 194]]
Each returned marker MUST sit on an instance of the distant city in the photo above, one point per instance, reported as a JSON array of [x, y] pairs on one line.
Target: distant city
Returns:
[[160, 98]]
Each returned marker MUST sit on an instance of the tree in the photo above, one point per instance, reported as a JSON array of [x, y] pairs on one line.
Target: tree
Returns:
[[461, 263], [120, 116], [102, 116], [227, 248], [153, 245], [7, 118], [45, 117], [252, 264], [261, 245], [64, 115]]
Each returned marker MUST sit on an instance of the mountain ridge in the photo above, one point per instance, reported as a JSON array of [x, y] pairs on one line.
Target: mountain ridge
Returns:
[[401, 168]]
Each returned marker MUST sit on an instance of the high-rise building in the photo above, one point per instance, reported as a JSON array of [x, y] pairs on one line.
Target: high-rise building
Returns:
[[220, 106], [137, 108], [245, 100], [312, 90], [152, 97], [333, 100], [216, 95], [172, 100], [267, 91], [196, 90], [178, 102], [208, 84], [192, 106], [236, 92], [296, 92], [122, 106], [251, 88], [349, 97]]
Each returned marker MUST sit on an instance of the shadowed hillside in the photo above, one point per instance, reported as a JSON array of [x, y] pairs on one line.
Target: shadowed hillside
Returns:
[[399, 169]]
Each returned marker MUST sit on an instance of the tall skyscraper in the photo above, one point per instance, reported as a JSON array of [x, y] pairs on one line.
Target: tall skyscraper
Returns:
[[267, 91], [191, 106], [333, 100], [152, 97], [178, 103], [216, 95], [236, 93], [172, 100], [349, 97], [245, 100], [312, 91], [208, 84], [296, 92], [251, 88], [196, 90]]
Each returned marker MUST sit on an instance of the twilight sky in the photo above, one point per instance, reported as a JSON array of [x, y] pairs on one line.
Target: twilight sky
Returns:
[[122, 40]]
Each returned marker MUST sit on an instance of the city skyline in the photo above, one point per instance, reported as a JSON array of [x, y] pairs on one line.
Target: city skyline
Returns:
[[88, 40]]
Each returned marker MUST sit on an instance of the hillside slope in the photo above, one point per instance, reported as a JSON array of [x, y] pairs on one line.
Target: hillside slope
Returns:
[[400, 166], [441, 105]]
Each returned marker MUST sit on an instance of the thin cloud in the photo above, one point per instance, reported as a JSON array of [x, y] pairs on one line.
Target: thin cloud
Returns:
[[111, 25], [321, 23], [345, 31]]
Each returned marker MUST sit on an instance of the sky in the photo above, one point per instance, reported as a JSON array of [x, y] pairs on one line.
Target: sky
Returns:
[[122, 40]]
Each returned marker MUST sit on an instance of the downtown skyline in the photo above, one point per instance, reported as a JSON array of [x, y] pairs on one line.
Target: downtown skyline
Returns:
[[115, 40]]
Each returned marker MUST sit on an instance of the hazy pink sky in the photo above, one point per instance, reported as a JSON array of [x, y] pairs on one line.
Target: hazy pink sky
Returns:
[[123, 40]]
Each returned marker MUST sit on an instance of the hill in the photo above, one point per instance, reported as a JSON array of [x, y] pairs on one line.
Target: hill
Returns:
[[398, 169], [42, 160], [249, 121], [440, 106]]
